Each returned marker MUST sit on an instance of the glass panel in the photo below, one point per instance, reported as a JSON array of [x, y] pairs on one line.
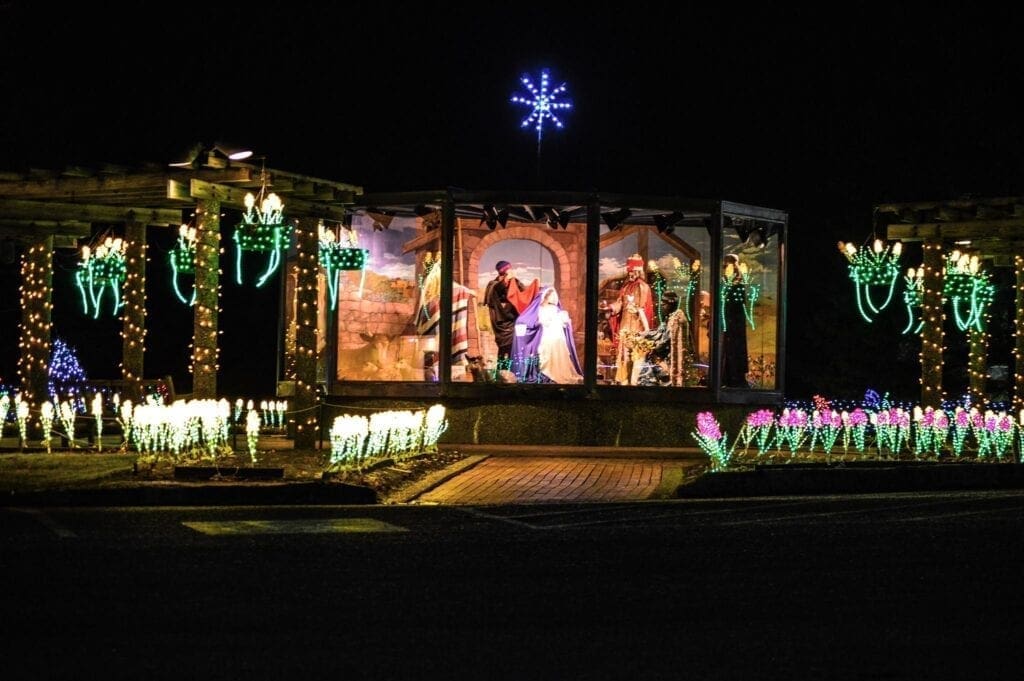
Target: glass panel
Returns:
[[749, 305], [376, 329], [527, 266], [653, 304]]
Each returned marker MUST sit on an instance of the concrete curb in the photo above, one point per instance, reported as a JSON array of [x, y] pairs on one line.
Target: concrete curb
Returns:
[[209, 494]]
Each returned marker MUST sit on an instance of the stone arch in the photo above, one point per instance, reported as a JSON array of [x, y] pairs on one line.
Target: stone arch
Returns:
[[565, 260]]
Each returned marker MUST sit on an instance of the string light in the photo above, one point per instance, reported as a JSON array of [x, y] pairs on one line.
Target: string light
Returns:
[[912, 296], [870, 269], [338, 253], [182, 259], [967, 286], [105, 267], [262, 230], [36, 314], [737, 288]]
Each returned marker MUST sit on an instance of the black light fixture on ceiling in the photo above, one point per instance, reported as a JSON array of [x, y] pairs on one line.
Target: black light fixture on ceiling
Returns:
[[666, 224], [615, 218], [494, 217], [556, 218]]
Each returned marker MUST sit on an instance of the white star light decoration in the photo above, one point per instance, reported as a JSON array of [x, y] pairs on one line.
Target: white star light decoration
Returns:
[[542, 103]]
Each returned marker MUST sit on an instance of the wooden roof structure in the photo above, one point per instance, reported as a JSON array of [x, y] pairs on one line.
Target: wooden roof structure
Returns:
[[994, 226], [54, 209], [66, 203], [991, 228]]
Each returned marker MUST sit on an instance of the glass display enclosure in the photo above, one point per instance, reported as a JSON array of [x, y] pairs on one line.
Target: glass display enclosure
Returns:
[[454, 293]]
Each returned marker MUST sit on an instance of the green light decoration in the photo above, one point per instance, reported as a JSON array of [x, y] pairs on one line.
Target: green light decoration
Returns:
[[877, 268], [686, 281], [738, 289], [99, 270], [913, 296], [183, 261], [262, 231], [968, 289], [338, 253]]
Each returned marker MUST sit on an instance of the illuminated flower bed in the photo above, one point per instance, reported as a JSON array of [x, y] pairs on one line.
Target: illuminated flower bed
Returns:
[[881, 432]]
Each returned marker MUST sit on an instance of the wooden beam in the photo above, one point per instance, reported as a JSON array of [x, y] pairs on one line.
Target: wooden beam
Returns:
[[17, 209], [1008, 228], [235, 198], [35, 228], [422, 240], [72, 189]]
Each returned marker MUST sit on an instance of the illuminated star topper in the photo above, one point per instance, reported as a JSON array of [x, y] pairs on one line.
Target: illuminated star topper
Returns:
[[543, 104]]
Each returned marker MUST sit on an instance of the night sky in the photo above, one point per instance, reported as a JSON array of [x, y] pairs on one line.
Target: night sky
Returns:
[[815, 112]]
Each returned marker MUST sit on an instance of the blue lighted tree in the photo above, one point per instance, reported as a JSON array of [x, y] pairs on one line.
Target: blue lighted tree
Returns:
[[543, 105], [67, 377]]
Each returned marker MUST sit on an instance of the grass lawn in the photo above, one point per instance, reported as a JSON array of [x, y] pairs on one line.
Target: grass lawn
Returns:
[[33, 472]]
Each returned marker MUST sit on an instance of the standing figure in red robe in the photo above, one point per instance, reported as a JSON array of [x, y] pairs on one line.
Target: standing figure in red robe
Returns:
[[632, 314]]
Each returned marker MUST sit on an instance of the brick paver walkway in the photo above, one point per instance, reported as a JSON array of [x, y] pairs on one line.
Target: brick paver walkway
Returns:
[[538, 479]]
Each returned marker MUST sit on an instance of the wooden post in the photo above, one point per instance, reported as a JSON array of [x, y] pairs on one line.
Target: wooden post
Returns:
[[307, 264], [205, 348], [977, 366], [932, 331], [1018, 338], [133, 318], [36, 310]]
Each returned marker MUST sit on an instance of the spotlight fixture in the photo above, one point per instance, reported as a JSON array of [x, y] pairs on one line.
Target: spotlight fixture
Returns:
[[555, 218], [494, 217], [232, 152], [614, 219], [666, 224]]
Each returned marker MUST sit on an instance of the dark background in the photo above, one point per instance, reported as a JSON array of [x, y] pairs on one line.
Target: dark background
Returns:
[[821, 113]]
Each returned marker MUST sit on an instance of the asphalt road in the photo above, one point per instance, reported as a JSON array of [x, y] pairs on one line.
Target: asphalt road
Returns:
[[895, 586]]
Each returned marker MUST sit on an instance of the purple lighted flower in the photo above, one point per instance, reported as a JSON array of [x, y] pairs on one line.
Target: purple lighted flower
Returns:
[[707, 426], [760, 418], [1005, 423], [902, 418], [858, 417], [833, 419], [793, 418], [962, 419], [928, 417]]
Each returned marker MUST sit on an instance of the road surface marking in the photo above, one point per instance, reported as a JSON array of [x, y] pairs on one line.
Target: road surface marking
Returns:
[[305, 526]]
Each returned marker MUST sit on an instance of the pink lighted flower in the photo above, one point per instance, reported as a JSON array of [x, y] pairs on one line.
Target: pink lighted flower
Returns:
[[941, 420], [760, 418], [1005, 423], [962, 419], [858, 417], [928, 417], [707, 426], [793, 418]]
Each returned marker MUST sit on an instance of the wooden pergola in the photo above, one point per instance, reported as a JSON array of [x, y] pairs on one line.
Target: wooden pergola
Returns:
[[44, 210], [993, 229]]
